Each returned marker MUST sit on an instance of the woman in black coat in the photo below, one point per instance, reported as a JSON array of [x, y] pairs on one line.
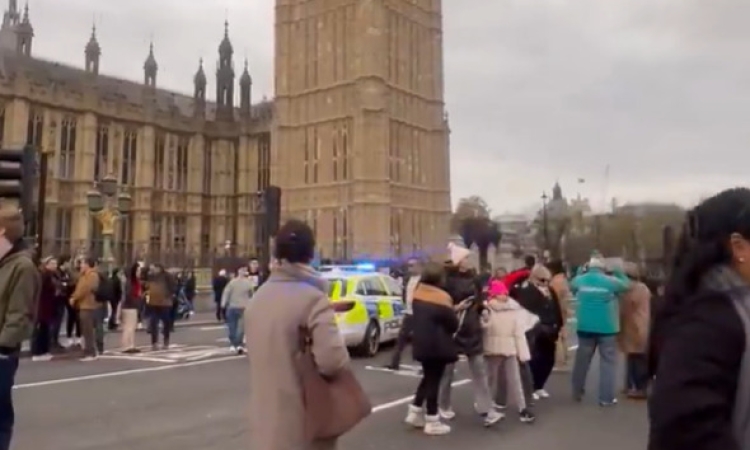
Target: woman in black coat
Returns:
[[700, 396], [537, 298], [433, 326]]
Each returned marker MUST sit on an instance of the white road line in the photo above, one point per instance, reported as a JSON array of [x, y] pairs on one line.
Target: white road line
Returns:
[[137, 358], [405, 400], [120, 373], [212, 328], [403, 373]]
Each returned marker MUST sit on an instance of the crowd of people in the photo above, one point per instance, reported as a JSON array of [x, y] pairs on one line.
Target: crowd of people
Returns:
[[89, 300], [687, 353]]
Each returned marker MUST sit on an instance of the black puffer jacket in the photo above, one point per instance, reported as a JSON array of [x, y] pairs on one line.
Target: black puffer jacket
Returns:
[[461, 285]]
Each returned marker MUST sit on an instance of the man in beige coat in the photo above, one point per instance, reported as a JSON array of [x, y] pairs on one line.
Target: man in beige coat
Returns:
[[635, 317], [294, 295]]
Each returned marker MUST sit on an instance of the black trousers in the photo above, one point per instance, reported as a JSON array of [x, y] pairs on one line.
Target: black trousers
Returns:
[[542, 360], [57, 321], [40, 341], [403, 338], [163, 315], [637, 376], [72, 323], [427, 391], [112, 321]]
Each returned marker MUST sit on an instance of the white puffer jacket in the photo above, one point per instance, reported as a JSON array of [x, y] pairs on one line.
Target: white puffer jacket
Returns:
[[505, 325]]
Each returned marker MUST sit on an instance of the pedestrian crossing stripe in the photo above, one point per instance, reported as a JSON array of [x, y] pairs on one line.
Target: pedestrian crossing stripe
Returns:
[[404, 370], [173, 354]]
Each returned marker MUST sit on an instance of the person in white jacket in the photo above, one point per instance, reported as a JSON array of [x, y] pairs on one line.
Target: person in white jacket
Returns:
[[505, 323]]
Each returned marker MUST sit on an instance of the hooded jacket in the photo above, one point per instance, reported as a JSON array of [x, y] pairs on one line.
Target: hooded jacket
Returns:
[[505, 330]]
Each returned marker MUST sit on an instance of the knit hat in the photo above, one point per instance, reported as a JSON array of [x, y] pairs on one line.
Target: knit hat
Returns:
[[497, 289], [457, 253], [597, 263], [11, 223]]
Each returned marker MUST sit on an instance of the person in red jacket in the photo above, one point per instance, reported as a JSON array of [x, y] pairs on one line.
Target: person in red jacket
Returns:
[[517, 277]]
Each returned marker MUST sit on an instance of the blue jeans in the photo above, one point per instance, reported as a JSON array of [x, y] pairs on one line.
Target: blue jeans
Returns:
[[235, 326], [8, 368], [588, 343]]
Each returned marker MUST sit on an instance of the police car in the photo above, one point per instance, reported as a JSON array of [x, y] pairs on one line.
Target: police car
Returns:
[[368, 306]]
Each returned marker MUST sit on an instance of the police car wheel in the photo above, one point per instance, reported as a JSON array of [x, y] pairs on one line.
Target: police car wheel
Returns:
[[371, 341]]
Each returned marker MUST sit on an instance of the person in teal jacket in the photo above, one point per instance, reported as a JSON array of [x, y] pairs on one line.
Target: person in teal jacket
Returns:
[[597, 296]]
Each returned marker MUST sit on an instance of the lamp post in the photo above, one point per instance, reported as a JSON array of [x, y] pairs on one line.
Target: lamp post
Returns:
[[107, 206], [545, 221]]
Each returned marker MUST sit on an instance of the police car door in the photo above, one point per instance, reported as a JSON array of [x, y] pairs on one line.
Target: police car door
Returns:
[[388, 322]]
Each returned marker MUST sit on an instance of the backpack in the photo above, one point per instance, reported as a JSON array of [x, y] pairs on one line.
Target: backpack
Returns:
[[106, 290]]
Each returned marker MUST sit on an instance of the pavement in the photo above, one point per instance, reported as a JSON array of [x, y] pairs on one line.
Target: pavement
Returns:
[[193, 397]]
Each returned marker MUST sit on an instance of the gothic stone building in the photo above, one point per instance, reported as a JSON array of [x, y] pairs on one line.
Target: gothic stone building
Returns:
[[356, 137]]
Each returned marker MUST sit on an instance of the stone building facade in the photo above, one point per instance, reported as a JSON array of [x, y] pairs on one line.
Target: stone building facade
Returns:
[[360, 131], [356, 137]]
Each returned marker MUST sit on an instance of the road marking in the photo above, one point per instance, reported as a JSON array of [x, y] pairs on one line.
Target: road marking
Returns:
[[121, 373], [405, 400], [406, 373], [212, 328], [138, 358]]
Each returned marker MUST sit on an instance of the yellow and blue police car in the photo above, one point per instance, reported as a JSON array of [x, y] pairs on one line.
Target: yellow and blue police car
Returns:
[[368, 306]]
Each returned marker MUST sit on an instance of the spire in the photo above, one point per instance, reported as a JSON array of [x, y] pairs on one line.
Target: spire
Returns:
[[92, 47], [93, 52], [245, 78], [26, 13], [150, 67], [225, 48], [200, 75]]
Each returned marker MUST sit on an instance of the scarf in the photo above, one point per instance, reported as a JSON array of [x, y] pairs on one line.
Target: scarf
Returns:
[[726, 280]]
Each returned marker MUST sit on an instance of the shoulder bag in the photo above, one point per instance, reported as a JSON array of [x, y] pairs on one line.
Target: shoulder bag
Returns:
[[333, 405]]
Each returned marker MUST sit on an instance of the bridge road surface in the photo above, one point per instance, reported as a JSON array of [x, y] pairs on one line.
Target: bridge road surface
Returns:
[[194, 397]]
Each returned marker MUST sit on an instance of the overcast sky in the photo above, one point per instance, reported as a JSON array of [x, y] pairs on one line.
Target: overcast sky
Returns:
[[537, 90]]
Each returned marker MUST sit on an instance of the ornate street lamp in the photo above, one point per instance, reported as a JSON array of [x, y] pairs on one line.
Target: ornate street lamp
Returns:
[[107, 207], [545, 222]]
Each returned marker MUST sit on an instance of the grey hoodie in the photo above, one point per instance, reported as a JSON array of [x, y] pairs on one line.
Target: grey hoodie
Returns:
[[238, 292]]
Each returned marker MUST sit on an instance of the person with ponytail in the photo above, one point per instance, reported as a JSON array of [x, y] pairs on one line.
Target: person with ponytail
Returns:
[[700, 398]]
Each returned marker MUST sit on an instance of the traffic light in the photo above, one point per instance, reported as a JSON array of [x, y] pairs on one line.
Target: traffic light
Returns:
[[17, 170], [272, 207]]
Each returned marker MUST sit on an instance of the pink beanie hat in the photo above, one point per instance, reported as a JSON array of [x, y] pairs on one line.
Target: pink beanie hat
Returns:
[[497, 288]]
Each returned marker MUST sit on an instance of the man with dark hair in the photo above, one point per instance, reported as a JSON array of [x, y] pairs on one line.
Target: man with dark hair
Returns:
[[20, 285], [84, 301]]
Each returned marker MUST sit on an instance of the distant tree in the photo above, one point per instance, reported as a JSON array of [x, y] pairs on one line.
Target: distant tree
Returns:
[[468, 207], [481, 232]]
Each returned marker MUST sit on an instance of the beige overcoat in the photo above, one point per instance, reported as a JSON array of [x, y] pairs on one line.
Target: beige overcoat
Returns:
[[293, 295], [635, 317]]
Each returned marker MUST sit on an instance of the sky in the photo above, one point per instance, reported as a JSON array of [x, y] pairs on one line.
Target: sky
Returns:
[[642, 100]]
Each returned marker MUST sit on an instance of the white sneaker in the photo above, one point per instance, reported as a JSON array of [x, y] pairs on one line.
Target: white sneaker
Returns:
[[233, 349], [542, 393], [415, 417], [493, 417], [45, 357], [535, 396], [434, 427], [447, 414]]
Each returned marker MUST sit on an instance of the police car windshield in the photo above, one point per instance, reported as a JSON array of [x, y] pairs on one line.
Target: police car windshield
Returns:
[[334, 286]]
